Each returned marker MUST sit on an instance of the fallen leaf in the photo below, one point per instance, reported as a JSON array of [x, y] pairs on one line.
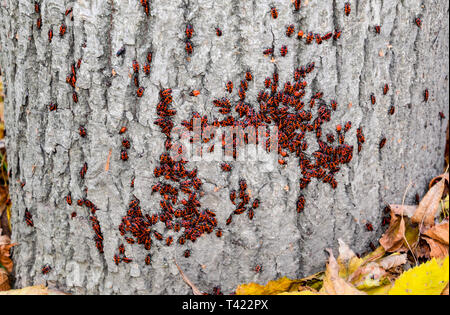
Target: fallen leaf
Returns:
[[5, 259], [4, 280], [271, 288], [401, 235], [393, 261], [429, 278], [429, 205], [439, 232], [34, 290], [335, 285]]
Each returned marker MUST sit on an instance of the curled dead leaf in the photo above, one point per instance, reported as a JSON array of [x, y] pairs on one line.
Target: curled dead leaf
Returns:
[[429, 205], [335, 285]]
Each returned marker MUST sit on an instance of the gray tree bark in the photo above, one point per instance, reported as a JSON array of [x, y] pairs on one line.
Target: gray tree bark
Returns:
[[46, 153]]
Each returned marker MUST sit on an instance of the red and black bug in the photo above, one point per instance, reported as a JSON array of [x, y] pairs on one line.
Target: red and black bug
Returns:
[[50, 35], [37, 7], [300, 34], [297, 5], [258, 268], [121, 52], [187, 253], [373, 99], [28, 218], [148, 259], [135, 66], [189, 47], [219, 233], [426, 95], [146, 68], [124, 155], [39, 23], [46, 269], [318, 39], [290, 30], [68, 11], [369, 227], [75, 97], [337, 34], [283, 50], [126, 260], [79, 63], [386, 89], [80, 202], [229, 220], [301, 203], [327, 36], [218, 32], [116, 260], [62, 30], [52, 107], [391, 110], [83, 170], [347, 8], [189, 31], [441, 115], [225, 167], [309, 38], [229, 87], [69, 199], [122, 249], [248, 76], [274, 12], [418, 22], [382, 143], [122, 130], [73, 215], [140, 92], [377, 29], [126, 144]]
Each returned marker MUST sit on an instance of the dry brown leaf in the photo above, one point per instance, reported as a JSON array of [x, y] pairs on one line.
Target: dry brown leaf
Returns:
[[439, 233], [35, 290], [401, 235], [429, 205], [393, 261], [335, 285], [392, 239], [405, 210], [5, 259], [4, 280], [437, 249]]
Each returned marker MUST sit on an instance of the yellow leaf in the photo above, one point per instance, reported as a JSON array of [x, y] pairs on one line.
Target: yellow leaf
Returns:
[[273, 287], [306, 292], [427, 279]]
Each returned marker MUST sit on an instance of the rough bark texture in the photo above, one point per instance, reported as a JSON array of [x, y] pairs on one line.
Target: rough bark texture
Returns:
[[46, 152]]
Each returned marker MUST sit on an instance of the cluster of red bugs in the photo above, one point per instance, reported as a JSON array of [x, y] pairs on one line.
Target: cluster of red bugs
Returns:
[[242, 207], [145, 4], [37, 10], [189, 31], [125, 146], [136, 67], [176, 213], [71, 79]]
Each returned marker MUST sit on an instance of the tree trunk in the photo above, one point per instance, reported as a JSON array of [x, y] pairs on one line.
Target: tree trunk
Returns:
[[46, 152]]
